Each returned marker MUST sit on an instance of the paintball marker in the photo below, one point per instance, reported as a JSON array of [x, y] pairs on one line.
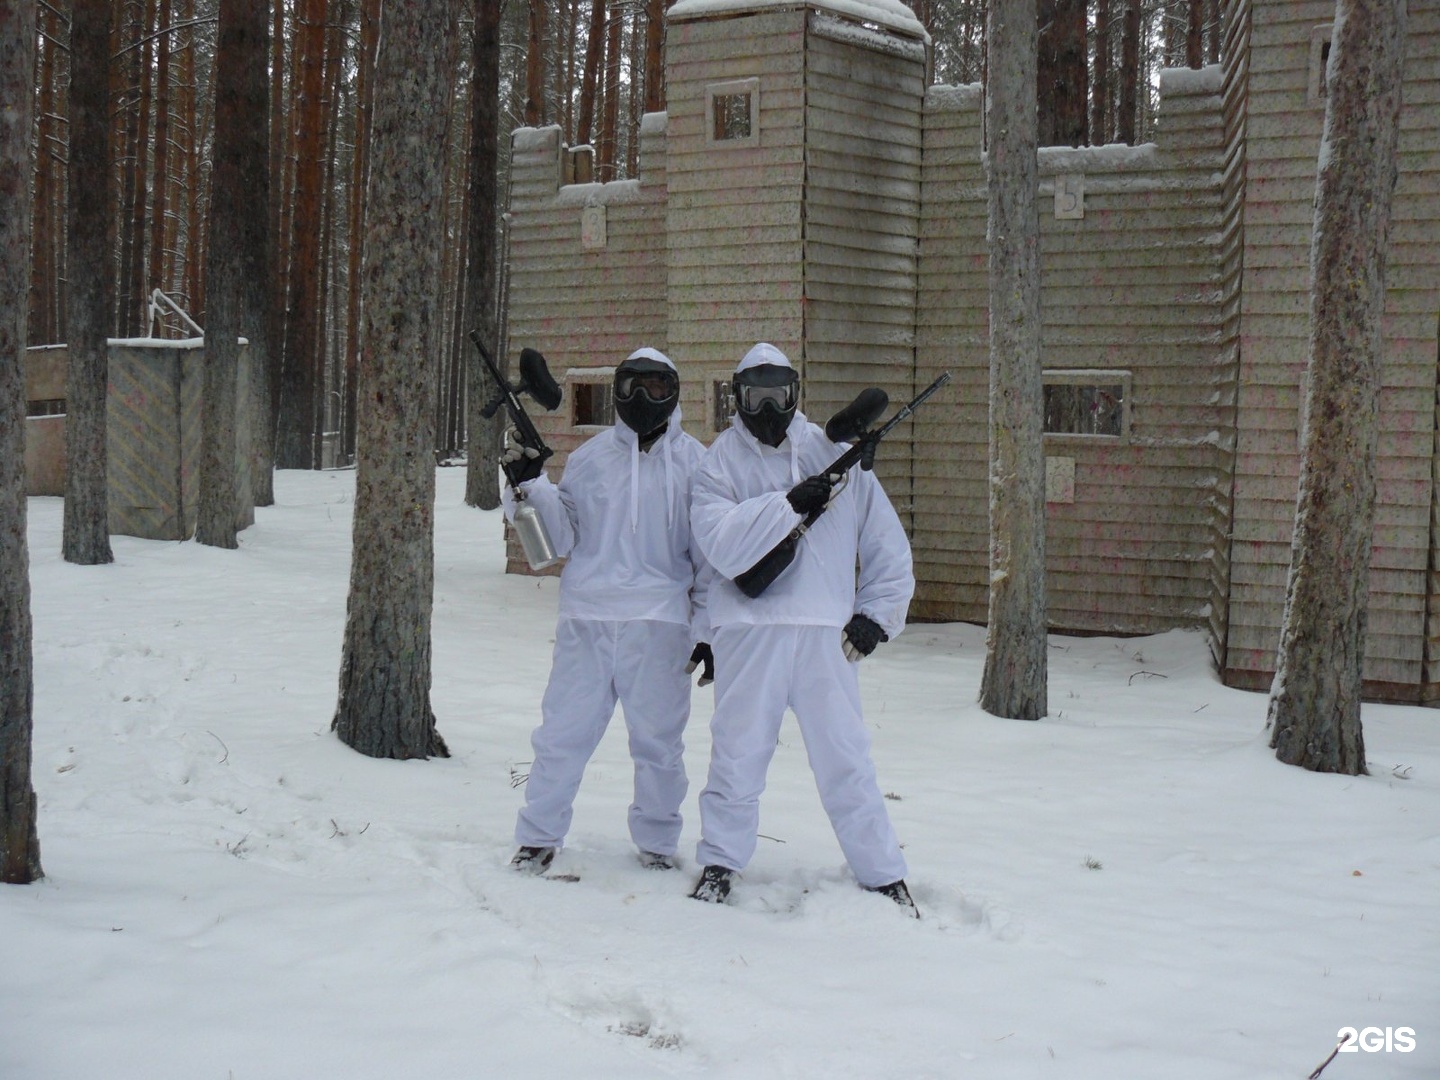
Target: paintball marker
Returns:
[[535, 380], [850, 424]]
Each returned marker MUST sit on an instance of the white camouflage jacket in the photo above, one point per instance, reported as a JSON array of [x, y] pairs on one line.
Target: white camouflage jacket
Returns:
[[622, 518], [740, 512]]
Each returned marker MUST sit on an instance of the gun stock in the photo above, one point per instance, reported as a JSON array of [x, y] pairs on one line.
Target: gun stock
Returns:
[[773, 563]]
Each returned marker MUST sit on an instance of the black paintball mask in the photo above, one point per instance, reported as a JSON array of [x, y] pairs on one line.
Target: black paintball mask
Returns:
[[765, 398], [646, 393]]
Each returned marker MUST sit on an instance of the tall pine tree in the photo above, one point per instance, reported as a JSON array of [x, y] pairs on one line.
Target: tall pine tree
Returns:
[[384, 705]]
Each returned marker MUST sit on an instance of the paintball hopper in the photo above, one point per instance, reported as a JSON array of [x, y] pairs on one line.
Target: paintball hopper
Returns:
[[854, 420], [535, 380]]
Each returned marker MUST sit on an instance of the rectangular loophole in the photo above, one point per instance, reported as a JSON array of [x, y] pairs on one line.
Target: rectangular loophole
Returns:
[[1088, 404], [592, 403], [733, 112], [48, 407]]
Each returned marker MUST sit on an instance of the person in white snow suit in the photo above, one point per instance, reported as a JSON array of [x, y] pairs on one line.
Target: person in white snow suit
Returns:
[[797, 644], [632, 620]]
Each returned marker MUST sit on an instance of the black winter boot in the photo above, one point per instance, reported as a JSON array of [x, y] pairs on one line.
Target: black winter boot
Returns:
[[714, 885], [533, 860], [898, 892]]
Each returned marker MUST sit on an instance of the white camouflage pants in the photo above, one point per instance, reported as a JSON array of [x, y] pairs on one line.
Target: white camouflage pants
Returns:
[[759, 672], [642, 664]]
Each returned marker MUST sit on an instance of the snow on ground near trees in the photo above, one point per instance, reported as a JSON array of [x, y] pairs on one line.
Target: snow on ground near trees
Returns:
[[1132, 888]]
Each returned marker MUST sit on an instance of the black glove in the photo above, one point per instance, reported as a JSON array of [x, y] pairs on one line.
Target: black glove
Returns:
[[860, 637], [520, 460], [810, 494], [702, 655]]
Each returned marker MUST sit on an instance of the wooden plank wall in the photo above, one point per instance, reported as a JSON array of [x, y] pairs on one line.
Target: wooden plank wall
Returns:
[[585, 309], [950, 541], [1284, 124], [45, 373], [1413, 274], [864, 91], [733, 241], [1189, 270], [1134, 285], [153, 428]]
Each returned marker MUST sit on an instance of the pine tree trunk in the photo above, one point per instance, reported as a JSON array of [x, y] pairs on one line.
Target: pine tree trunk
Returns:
[[187, 199], [1014, 680], [535, 66], [197, 195], [237, 225], [590, 76], [1062, 73], [159, 200], [1071, 122], [482, 470], [1100, 83], [1127, 120], [1314, 712], [127, 72], [1047, 71], [255, 242], [88, 306], [276, 243], [44, 324], [1195, 34], [294, 443], [384, 703], [359, 171], [328, 247], [654, 58], [19, 838], [605, 155], [133, 294]]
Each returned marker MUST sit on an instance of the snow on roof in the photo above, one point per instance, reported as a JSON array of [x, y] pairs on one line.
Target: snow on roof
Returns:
[[940, 95], [1205, 80], [534, 138], [891, 14], [598, 194], [1112, 157]]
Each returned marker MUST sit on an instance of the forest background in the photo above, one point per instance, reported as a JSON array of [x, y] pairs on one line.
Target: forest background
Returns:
[[590, 67]]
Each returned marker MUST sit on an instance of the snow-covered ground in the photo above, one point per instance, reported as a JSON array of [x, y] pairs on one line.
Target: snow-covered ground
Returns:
[[1130, 889]]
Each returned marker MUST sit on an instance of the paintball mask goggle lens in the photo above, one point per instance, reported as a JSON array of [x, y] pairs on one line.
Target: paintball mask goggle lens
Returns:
[[750, 398], [656, 385]]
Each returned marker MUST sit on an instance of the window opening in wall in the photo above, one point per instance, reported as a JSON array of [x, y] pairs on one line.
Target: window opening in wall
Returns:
[[48, 407], [733, 112], [592, 403], [1093, 404], [722, 404], [732, 117]]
